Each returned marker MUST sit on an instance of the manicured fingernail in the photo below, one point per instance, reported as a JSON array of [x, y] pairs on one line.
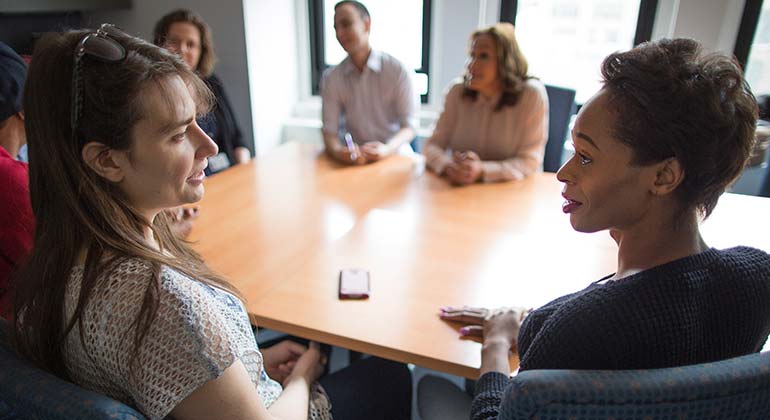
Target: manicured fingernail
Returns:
[[464, 331], [445, 308]]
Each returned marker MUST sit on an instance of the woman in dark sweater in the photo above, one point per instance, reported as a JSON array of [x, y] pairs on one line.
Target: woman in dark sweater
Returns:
[[186, 33], [669, 131]]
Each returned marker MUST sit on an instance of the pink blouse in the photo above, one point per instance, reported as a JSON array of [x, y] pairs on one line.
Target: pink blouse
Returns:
[[510, 141]]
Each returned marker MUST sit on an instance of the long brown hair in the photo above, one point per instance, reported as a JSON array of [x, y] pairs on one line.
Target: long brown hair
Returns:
[[75, 208], [208, 56], [512, 66]]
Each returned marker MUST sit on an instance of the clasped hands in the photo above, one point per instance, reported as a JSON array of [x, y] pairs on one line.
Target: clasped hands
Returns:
[[492, 325], [366, 153], [464, 169], [289, 359]]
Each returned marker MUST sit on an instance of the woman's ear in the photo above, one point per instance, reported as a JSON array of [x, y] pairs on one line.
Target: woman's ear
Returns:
[[104, 161], [669, 174]]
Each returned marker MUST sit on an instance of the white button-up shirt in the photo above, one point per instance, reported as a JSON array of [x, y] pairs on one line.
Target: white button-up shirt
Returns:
[[372, 105]]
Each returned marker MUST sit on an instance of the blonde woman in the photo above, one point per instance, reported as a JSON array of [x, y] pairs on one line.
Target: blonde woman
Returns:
[[495, 122]]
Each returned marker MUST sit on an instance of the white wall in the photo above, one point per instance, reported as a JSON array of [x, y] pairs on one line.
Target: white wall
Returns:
[[227, 24]]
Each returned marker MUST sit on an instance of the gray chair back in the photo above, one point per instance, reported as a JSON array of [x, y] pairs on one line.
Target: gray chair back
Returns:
[[27, 392], [733, 389]]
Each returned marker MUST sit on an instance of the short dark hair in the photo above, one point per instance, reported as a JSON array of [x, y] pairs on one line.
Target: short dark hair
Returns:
[[675, 101], [362, 10], [208, 56]]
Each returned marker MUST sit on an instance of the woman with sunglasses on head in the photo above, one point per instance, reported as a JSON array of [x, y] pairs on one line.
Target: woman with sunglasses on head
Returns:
[[110, 299], [669, 131], [495, 122], [186, 33]]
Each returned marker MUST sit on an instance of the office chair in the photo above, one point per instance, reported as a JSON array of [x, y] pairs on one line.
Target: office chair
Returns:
[[764, 190], [27, 392], [561, 107], [737, 388]]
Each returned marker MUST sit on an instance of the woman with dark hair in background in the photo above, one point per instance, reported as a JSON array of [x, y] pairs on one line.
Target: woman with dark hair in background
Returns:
[[109, 298], [655, 148], [186, 33], [495, 122]]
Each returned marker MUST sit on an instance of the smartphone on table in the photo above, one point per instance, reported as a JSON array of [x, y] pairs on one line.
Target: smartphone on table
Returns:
[[354, 283]]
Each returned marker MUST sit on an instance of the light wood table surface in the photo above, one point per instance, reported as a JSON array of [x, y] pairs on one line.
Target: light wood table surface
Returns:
[[281, 228]]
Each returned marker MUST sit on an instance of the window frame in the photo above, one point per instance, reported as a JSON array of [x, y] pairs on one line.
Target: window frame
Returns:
[[747, 30], [318, 45]]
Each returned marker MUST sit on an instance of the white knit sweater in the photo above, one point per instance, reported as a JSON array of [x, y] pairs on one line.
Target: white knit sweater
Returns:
[[199, 332]]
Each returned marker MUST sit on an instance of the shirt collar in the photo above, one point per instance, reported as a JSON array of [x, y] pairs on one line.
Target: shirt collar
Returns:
[[374, 62]]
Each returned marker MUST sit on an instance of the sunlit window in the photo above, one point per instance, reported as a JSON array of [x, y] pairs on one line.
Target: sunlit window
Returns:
[[758, 64], [397, 29], [565, 41]]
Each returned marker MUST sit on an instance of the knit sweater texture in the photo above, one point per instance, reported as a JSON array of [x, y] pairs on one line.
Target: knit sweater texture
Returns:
[[698, 309]]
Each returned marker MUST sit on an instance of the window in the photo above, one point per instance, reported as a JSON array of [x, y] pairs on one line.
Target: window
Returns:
[[399, 27], [753, 45], [565, 41]]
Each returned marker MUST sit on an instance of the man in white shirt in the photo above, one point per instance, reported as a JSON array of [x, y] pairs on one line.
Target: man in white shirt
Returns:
[[369, 104]]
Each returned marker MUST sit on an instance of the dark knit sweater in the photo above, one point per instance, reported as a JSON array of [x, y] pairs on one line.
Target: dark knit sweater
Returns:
[[706, 307]]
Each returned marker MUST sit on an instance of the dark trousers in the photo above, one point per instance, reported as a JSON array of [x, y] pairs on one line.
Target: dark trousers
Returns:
[[372, 389]]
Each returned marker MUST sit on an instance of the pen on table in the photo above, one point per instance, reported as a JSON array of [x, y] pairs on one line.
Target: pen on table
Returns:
[[351, 147]]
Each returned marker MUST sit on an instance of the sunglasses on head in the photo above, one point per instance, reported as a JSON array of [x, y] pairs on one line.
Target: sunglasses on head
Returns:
[[102, 46]]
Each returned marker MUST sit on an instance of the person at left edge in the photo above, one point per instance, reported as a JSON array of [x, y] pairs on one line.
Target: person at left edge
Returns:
[[16, 220]]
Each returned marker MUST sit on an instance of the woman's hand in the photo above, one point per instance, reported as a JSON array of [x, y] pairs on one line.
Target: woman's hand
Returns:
[[503, 324], [465, 168], [500, 324], [470, 165], [499, 329], [280, 359], [454, 174], [309, 366], [472, 316]]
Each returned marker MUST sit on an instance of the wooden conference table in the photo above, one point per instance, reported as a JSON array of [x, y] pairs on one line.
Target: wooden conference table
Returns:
[[281, 228]]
